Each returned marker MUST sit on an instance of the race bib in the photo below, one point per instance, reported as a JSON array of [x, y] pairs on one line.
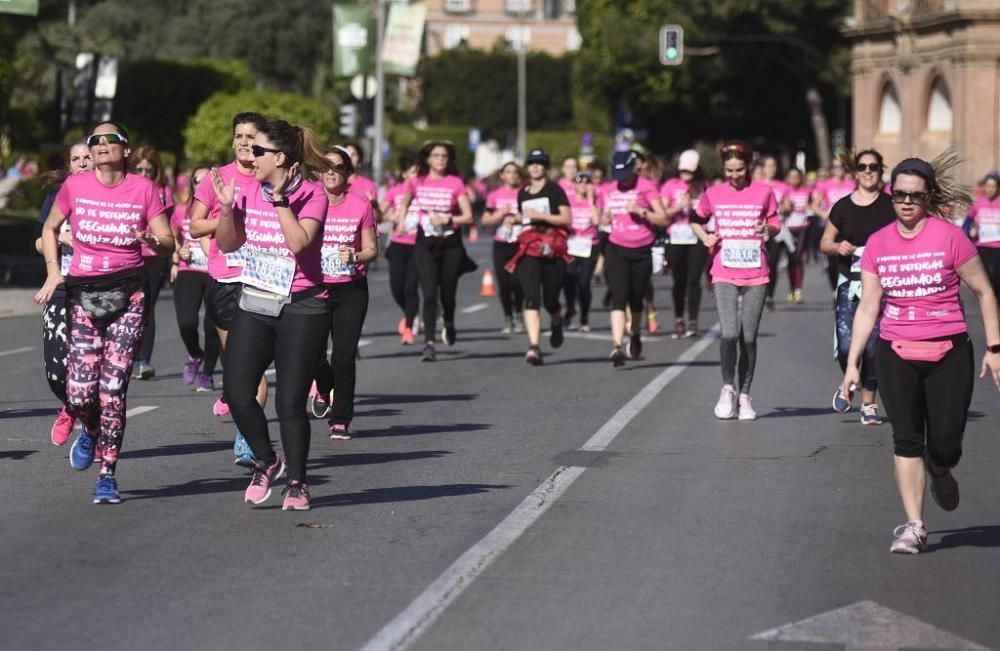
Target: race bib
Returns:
[[272, 273], [796, 220], [65, 259], [741, 254], [682, 234], [541, 204], [509, 234], [856, 260], [989, 233], [431, 230], [334, 266], [580, 247], [198, 259], [659, 255], [235, 259], [412, 221]]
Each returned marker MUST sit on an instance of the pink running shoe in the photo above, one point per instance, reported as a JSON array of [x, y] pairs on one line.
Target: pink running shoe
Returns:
[[260, 484], [220, 408], [296, 497], [339, 432], [911, 538], [62, 428]]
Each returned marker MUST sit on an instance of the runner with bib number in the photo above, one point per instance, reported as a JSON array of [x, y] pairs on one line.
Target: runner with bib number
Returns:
[[404, 283], [686, 254], [985, 214], [501, 213]]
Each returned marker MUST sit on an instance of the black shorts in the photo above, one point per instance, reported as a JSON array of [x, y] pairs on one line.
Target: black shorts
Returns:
[[222, 302]]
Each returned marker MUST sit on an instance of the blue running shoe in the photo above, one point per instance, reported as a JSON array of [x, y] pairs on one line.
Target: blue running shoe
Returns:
[[106, 490], [243, 452], [841, 403], [81, 455]]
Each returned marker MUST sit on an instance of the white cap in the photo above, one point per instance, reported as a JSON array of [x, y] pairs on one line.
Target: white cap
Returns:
[[688, 161]]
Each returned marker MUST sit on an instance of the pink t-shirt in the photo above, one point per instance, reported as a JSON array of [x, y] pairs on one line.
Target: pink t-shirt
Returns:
[[181, 223], [504, 199], [740, 258], [221, 266], [568, 186], [436, 195], [780, 189], [168, 202], [627, 230], [102, 219], [919, 280], [831, 191], [363, 188], [344, 223], [265, 237], [394, 197], [583, 216], [986, 214], [679, 227], [800, 198]]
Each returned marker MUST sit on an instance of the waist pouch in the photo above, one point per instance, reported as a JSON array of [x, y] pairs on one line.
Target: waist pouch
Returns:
[[102, 301], [922, 351], [267, 303]]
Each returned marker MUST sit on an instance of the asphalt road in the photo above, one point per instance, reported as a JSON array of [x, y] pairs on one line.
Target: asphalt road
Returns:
[[478, 510]]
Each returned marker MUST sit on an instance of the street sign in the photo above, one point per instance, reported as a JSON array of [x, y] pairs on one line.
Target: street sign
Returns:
[[351, 29], [671, 45]]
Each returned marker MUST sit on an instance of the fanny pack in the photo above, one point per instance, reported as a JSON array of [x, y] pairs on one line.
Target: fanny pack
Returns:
[[267, 303], [101, 302], [923, 351]]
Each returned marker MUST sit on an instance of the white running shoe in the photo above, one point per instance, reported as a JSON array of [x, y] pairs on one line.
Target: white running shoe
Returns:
[[746, 408], [726, 407]]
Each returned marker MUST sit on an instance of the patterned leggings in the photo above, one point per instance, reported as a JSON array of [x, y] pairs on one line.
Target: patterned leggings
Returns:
[[99, 364], [54, 345]]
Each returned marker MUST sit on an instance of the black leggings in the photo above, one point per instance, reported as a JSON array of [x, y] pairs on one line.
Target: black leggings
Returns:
[[55, 329], [156, 267], [294, 341], [508, 285], [991, 262], [687, 263], [927, 402], [348, 304], [579, 274], [190, 290], [541, 279], [774, 250], [439, 262], [404, 282], [628, 272]]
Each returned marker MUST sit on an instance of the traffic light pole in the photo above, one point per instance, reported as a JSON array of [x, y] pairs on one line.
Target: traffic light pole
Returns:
[[378, 161]]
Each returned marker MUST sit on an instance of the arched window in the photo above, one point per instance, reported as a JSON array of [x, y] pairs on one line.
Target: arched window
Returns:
[[939, 114], [890, 117]]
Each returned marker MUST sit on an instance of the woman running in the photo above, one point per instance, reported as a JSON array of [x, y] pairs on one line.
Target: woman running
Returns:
[[826, 193], [145, 161], [686, 254], [782, 244], [985, 214], [541, 257], [502, 214], [924, 354], [633, 207], [282, 314], [349, 245], [797, 210], [744, 213], [585, 208], [404, 283], [189, 275], [111, 213], [54, 323], [852, 221], [444, 208], [362, 186]]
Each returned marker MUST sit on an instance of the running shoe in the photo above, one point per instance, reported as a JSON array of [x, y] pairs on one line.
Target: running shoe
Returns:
[[106, 490], [143, 371], [205, 383], [692, 329], [584, 327], [842, 403], [62, 428], [746, 408], [567, 319], [651, 322], [406, 338], [725, 408], [944, 488], [448, 335], [428, 354], [797, 297], [339, 432], [401, 326], [243, 452], [508, 326], [911, 538], [634, 345], [190, 373], [869, 414], [220, 408], [791, 297], [416, 325], [556, 336], [296, 497], [518, 324], [533, 356], [617, 356], [318, 404], [678, 329], [81, 455], [260, 483]]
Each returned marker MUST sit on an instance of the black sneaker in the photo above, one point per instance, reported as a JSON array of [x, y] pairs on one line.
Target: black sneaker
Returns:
[[944, 488], [448, 334], [533, 356], [617, 356], [634, 346], [556, 336], [428, 354]]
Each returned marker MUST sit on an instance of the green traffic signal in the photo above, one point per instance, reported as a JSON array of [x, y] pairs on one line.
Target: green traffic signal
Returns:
[[671, 53]]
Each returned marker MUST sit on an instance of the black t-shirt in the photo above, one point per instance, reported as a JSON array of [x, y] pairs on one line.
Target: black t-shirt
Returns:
[[551, 191], [856, 223]]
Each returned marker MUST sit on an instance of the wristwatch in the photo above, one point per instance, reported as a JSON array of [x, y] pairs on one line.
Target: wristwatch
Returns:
[[995, 348], [281, 203]]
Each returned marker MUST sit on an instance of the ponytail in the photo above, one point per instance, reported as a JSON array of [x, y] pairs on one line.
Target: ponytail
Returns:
[[300, 144]]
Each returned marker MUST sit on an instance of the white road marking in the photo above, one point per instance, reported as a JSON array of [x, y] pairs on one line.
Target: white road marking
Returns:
[[868, 625], [475, 307], [407, 627], [365, 342], [15, 351], [136, 411]]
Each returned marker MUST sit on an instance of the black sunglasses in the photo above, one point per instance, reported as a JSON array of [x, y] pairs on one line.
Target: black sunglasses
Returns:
[[339, 168], [899, 196], [582, 178], [259, 151], [870, 167], [110, 138]]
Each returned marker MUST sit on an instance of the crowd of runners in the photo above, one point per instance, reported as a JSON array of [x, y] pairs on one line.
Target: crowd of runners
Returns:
[[273, 249]]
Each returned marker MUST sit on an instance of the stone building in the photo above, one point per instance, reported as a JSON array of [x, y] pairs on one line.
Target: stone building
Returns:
[[546, 25], [926, 76]]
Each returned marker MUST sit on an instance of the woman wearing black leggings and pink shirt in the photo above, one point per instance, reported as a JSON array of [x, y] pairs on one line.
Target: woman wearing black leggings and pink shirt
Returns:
[[404, 283], [349, 245], [502, 214], [439, 193], [282, 315], [924, 355]]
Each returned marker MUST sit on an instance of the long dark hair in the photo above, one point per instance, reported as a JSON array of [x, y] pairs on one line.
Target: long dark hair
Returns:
[[424, 168], [299, 144], [850, 161]]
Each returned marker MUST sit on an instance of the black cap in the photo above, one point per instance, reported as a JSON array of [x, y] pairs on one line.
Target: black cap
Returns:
[[537, 156], [916, 166], [623, 164]]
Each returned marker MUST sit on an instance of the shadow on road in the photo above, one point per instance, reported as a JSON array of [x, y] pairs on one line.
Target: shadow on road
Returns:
[[785, 412], [177, 450], [16, 455], [368, 458], [28, 413], [411, 430], [404, 494], [404, 398], [981, 536]]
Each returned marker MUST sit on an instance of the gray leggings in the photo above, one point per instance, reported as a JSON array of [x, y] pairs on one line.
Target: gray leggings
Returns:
[[739, 331]]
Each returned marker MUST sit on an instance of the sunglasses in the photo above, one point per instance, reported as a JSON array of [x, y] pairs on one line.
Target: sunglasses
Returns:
[[145, 170], [196, 180], [582, 178], [870, 167], [110, 138], [339, 168], [919, 198], [259, 151]]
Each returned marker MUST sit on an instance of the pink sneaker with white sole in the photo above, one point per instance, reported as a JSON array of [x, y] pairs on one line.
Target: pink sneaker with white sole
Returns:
[[260, 484], [62, 428]]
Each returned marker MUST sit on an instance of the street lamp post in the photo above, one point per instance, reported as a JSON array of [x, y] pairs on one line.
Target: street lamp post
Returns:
[[522, 83], [378, 162]]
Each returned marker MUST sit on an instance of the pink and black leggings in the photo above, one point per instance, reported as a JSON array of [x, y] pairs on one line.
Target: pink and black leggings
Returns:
[[98, 367]]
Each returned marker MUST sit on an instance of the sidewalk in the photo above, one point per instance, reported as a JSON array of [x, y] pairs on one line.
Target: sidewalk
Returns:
[[17, 302]]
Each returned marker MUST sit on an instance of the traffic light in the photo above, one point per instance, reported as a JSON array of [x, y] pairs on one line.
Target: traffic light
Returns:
[[349, 120], [671, 45]]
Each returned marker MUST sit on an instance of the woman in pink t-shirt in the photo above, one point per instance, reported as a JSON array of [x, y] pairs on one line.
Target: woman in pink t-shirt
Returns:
[[826, 193], [111, 214], [744, 213], [924, 357], [350, 244], [782, 244], [585, 209], [985, 214], [282, 315], [404, 283], [686, 254], [362, 186], [796, 220], [501, 213]]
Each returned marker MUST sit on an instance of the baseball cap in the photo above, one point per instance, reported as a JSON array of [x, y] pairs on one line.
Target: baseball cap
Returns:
[[622, 164], [688, 161], [537, 156]]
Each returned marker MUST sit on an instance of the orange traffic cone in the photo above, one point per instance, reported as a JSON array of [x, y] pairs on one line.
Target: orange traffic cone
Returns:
[[489, 287], [473, 234]]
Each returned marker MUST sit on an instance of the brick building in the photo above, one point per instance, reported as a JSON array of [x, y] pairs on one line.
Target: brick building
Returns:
[[546, 25]]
